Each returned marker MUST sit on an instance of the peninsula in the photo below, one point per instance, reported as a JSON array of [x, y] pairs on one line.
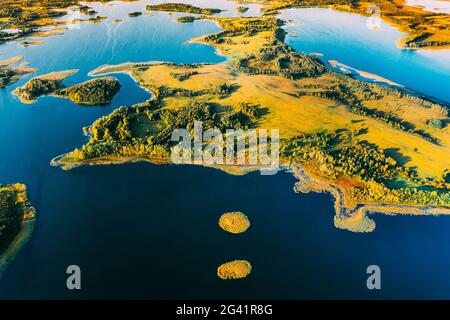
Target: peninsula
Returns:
[[376, 148]]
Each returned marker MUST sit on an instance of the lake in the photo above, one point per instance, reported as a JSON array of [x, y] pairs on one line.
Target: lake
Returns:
[[148, 231], [345, 37]]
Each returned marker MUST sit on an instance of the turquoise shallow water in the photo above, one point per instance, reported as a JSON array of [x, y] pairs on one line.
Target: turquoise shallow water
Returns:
[[146, 231]]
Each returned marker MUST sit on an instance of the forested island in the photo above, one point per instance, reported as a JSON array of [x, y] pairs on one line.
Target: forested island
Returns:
[[15, 209], [370, 145], [242, 9], [186, 19], [92, 92], [135, 14]]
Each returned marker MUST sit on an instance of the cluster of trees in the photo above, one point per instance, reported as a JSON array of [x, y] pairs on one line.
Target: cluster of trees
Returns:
[[181, 7], [10, 216], [183, 75], [92, 92], [376, 191], [243, 118], [334, 158], [441, 183], [242, 9], [38, 87], [366, 162], [283, 61], [369, 91], [369, 164], [161, 92], [5, 76], [276, 58], [7, 10], [425, 43], [354, 93], [117, 135], [247, 27], [186, 19], [135, 14]]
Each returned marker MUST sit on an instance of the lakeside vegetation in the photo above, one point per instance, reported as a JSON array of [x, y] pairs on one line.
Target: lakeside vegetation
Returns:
[[14, 209], [181, 7], [378, 143]]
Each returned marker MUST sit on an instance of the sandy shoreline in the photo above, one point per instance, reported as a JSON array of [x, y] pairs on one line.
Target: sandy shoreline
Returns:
[[364, 74]]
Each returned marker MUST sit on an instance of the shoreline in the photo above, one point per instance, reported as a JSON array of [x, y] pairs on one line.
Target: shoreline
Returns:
[[26, 230], [399, 43], [364, 74], [348, 215], [354, 216]]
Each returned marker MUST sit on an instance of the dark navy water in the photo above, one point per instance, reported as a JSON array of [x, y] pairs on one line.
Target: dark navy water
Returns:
[[147, 231]]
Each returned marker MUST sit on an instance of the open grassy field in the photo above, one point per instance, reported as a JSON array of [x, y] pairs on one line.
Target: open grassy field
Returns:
[[307, 114]]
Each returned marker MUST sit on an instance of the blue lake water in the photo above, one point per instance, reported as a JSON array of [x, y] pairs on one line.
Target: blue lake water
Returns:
[[346, 37], [147, 231]]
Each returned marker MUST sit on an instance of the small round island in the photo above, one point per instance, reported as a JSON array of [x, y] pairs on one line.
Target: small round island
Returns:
[[236, 269], [234, 222]]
